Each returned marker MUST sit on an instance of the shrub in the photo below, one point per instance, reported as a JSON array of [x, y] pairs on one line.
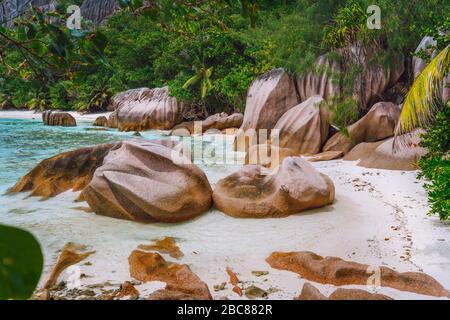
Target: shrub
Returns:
[[435, 165]]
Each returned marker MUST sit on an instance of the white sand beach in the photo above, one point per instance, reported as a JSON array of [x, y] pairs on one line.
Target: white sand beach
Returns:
[[379, 218]]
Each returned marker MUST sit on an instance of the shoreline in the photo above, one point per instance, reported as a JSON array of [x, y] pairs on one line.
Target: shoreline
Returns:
[[28, 114]]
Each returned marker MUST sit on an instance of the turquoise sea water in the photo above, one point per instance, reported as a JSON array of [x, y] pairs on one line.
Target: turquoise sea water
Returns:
[[25, 142]]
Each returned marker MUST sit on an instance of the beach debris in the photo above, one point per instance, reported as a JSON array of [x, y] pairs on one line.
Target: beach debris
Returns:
[[260, 273], [253, 292], [220, 287]]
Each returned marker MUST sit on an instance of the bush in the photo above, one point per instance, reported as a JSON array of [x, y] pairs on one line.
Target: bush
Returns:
[[435, 165]]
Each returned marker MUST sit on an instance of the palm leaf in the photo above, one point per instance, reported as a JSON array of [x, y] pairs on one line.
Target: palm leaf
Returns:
[[191, 81], [420, 103]]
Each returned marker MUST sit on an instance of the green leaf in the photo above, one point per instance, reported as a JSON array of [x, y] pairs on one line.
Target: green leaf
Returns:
[[21, 263], [32, 30], [191, 81], [100, 41]]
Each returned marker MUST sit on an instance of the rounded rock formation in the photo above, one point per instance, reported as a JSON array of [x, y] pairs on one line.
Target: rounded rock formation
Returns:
[[144, 109], [65, 171], [51, 118], [295, 186], [149, 181], [397, 153], [101, 121], [378, 124], [303, 128]]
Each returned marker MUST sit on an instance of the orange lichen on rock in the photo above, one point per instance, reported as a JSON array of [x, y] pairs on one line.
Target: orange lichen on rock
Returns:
[[332, 270], [167, 245], [71, 170], [127, 290], [71, 254], [179, 279]]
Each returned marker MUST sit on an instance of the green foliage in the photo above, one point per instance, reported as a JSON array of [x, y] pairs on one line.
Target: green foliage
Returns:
[[21, 263], [435, 165]]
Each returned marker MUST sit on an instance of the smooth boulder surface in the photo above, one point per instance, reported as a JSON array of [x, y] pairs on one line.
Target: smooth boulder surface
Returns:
[[378, 124], [338, 272], [141, 181], [397, 153], [293, 187], [219, 121], [101, 121], [267, 155], [303, 128], [71, 170], [309, 292], [64, 119], [269, 97], [181, 282], [145, 109], [325, 156], [319, 82]]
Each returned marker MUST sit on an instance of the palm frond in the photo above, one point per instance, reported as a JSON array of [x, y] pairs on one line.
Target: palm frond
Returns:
[[420, 103]]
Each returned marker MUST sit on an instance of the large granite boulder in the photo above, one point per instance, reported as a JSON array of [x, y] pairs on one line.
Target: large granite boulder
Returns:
[[144, 109], [304, 128], [149, 181], [378, 124], [371, 83], [396, 153], [64, 119], [295, 186], [319, 81], [71, 170], [101, 121], [269, 97], [219, 121], [98, 10]]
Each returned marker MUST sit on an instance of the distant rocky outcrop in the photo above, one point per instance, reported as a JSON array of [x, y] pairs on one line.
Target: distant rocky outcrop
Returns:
[[52, 118], [71, 170], [98, 10], [12, 9], [101, 121], [338, 272], [378, 124], [252, 193], [369, 85], [148, 181], [304, 128], [144, 109], [396, 153], [219, 121], [181, 282]]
